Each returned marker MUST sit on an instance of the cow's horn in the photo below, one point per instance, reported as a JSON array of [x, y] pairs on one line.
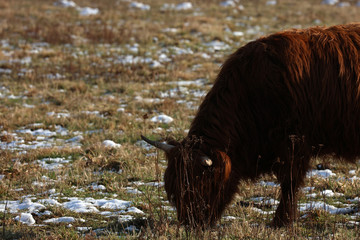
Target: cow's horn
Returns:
[[206, 161], [163, 146]]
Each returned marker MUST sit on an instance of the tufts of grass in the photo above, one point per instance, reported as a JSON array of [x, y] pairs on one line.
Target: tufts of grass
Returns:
[[61, 69]]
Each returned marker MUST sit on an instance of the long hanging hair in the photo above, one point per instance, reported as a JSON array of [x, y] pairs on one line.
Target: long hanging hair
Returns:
[[296, 82]]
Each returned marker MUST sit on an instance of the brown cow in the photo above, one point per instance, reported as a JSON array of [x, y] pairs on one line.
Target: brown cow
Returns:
[[274, 102]]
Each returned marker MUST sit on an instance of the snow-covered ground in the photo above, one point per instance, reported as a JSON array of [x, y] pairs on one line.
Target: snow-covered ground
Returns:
[[35, 205]]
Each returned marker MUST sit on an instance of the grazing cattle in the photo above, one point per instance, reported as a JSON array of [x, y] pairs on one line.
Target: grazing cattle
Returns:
[[277, 101]]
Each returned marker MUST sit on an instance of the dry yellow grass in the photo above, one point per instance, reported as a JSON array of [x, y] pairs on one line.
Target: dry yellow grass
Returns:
[[66, 73]]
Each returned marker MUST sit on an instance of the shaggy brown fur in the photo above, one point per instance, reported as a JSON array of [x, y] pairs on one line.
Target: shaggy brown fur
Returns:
[[274, 101]]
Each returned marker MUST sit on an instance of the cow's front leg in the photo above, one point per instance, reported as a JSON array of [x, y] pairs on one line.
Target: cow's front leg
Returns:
[[291, 174], [286, 212]]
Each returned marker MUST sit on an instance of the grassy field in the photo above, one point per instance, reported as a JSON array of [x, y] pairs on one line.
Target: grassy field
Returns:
[[70, 80]]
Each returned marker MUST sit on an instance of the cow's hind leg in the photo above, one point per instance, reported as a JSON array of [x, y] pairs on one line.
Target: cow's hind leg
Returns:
[[291, 173]]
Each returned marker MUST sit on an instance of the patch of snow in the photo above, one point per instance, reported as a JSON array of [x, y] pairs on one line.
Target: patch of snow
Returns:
[[268, 201], [5, 71], [131, 228], [39, 184], [197, 82], [51, 191], [14, 97], [133, 48], [344, 4], [58, 115], [178, 92], [167, 6], [25, 205], [354, 178], [26, 60], [54, 76], [51, 166], [321, 173], [45, 213], [25, 218], [97, 187], [238, 34], [330, 2], [311, 195], [184, 6], [83, 229], [125, 218], [352, 223], [180, 51], [308, 189], [262, 211], [65, 3], [327, 193], [198, 93], [96, 113], [28, 106], [228, 3], [355, 200], [155, 64], [330, 193], [37, 132], [158, 130], [60, 220], [2, 176], [112, 204], [171, 30], [134, 210], [52, 163], [154, 184], [169, 208], [110, 144], [272, 2], [254, 30], [89, 132], [107, 213], [4, 90], [268, 184], [75, 139], [148, 100], [139, 5], [36, 145], [217, 45], [164, 58], [326, 207], [87, 11], [80, 206], [35, 125], [145, 145], [133, 191], [162, 118], [130, 59], [229, 218]]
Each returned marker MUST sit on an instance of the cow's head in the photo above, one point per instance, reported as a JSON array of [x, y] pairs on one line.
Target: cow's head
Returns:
[[195, 182]]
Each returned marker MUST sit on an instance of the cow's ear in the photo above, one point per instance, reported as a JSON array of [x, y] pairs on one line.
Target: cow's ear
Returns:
[[225, 164]]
